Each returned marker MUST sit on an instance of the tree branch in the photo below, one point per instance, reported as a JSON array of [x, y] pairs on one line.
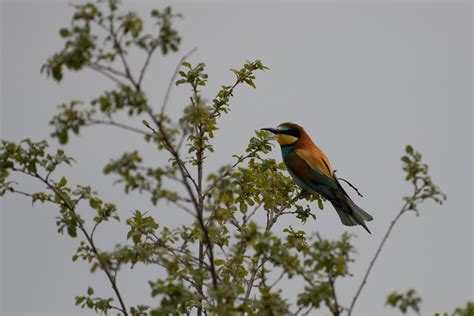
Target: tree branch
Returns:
[[103, 266], [161, 133], [145, 65], [118, 47], [336, 311], [31, 195], [270, 222]]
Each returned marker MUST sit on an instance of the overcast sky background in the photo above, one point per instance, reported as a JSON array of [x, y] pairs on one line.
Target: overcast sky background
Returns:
[[363, 78]]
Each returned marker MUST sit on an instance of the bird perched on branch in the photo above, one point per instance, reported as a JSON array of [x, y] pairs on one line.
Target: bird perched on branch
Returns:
[[311, 170]]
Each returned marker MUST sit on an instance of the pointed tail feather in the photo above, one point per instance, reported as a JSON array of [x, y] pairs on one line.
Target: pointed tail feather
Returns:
[[348, 211], [366, 216], [352, 215]]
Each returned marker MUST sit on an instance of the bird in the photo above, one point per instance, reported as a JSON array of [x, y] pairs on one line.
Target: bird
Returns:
[[311, 169]]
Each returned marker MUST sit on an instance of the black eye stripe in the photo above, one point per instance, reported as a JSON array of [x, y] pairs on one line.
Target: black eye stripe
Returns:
[[291, 132]]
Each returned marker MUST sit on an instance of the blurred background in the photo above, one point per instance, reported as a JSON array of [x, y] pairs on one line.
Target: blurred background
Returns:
[[365, 78]]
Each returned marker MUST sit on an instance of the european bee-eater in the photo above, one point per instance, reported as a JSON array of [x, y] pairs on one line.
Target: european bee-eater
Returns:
[[310, 168]]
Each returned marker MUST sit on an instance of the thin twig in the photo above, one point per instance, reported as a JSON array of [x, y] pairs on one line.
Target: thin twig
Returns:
[[216, 113], [278, 279], [298, 311], [13, 190], [90, 241], [106, 74], [119, 125], [118, 47], [406, 207], [277, 214], [161, 135], [308, 311], [145, 65], [184, 208], [93, 231], [173, 79], [379, 249], [227, 172], [350, 184], [108, 68], [251, 214]]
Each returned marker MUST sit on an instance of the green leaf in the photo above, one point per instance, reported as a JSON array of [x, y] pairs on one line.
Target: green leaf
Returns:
[[80, 299], [62, 182], [95, 203], [90, 291], [64, 32], [72, 231], [63, 137]]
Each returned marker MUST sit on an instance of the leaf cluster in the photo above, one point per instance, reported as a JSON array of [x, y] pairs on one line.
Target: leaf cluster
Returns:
[[405, 301], [137, 177], [423, 186], [121, 31], [95, 303]]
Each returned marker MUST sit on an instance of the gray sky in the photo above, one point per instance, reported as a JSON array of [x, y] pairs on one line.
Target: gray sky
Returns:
[[364, 78]]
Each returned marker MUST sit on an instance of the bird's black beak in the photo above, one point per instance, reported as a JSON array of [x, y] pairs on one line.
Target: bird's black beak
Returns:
[[271, 130]]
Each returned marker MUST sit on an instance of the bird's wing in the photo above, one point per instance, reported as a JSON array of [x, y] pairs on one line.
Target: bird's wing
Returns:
[[317, 174], [312, 178], [317, 160], [320, 163]]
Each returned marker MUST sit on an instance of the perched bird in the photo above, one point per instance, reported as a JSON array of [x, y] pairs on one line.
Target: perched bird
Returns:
[[311, 170]]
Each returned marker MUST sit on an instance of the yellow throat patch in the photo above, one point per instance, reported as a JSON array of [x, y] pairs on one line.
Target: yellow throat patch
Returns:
[[283, 139]]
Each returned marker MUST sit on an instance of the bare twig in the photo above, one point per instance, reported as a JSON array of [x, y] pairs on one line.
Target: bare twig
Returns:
[[350, 184], [106, 74], [117, 124], [379, 249], [184, 208], [282, 274], [173, 79], [308, 311], [251, 214], [108, 69], [93, 231], [145, 65]]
